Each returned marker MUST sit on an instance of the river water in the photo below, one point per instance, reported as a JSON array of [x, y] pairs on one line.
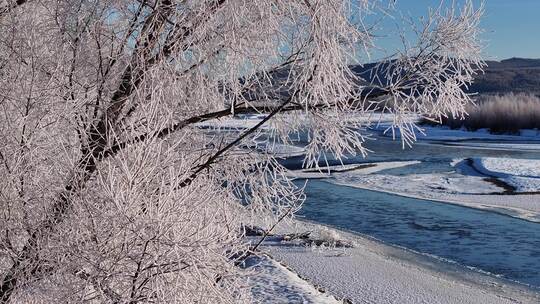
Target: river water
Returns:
[[488, 241], [482, 240]]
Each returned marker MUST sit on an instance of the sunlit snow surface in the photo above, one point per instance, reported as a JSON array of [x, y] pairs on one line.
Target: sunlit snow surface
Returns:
[[373, 272], [447, 134], [271, 282]]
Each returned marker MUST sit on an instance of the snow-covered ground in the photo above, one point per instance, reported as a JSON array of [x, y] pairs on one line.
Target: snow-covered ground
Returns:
[[523, 174], [442, 133], [271, 282], [238, 122], [373, 272], [364, 168]]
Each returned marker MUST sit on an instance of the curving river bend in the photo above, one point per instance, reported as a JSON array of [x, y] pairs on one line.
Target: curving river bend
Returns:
[[485, 241]]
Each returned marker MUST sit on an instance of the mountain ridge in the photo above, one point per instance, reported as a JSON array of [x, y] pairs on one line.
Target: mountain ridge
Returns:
[[518, 75]]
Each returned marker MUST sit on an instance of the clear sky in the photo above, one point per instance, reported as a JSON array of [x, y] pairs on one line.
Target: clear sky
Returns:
[[512, 27]]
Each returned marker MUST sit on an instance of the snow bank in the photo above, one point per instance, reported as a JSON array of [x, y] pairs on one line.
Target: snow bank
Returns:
[[238, 122], [417, 184], [510, 166], [446, 134], [358, 169], [373, 272], [523, 174], [271, 282]]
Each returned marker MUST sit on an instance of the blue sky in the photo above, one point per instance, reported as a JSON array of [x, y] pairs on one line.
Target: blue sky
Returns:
[[512, 27]]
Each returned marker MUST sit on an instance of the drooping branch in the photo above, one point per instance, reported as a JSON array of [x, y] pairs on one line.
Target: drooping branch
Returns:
[[285, 106], [4, 162], [78, 181], [212, 41], [198, 169], [28, 259]]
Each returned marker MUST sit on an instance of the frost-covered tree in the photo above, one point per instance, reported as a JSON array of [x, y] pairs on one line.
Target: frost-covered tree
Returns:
[[109, 190]]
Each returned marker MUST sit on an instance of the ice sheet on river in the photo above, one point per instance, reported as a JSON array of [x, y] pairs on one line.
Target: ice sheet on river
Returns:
[[361, 168], [431, 185], [469, 191]]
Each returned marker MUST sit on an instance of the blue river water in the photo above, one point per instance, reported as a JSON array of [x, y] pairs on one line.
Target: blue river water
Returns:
[[490, 242]]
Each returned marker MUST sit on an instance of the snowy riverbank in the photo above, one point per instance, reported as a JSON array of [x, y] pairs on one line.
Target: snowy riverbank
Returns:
[[465, 185], [443, 133], [373, 272], [522, 174], [272, 282]]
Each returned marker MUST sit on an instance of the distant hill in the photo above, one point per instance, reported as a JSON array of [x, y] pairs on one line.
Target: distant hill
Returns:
[[518, 75], [510, 75], [514, 63]]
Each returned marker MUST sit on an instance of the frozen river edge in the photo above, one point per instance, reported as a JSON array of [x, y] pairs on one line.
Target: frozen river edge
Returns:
[[375, 272]]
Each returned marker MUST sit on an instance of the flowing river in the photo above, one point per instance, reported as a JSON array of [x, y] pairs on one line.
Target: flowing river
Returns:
[[490, 242], [482, 240]]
